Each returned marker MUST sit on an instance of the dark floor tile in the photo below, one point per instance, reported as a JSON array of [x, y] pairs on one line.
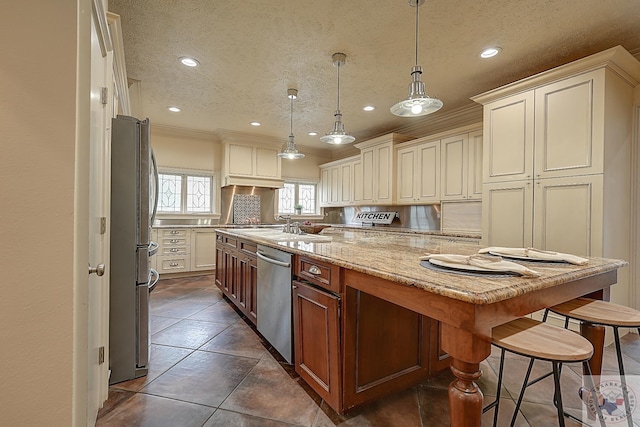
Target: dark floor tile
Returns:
[[399, 410], [202, 377], [544, 415], [179, 309], [220, 312], [151, 411], [222, 418], [115, 399], [161, 359], [269, 392], [238, 339], [210, 296], [188, 333], [158, 323]]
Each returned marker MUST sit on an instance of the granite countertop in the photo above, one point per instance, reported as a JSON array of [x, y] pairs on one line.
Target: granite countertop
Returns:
[[395, 256]]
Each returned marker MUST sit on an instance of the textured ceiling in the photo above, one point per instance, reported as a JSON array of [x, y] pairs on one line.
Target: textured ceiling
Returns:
[[251, 51]]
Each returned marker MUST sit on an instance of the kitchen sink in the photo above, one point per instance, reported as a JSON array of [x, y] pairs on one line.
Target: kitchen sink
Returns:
[[281, 236]]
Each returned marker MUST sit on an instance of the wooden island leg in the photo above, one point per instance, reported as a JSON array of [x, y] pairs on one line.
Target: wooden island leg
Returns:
[[465, 397], [467, 350]]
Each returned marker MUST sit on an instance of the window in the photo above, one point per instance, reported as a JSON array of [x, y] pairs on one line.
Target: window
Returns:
[[294, 193], [185, 193]]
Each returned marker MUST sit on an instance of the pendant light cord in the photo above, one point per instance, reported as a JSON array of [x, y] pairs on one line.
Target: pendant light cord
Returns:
[[417, 7], [338, 66], [291, 117]]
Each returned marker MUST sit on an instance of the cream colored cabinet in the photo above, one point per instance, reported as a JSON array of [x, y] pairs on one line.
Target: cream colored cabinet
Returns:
[[418, 173], [251, 164], [378, 169], [203, 249], [560, 214], [356, 180], [461, 169], [174, 251], [556, 159], [338, 182]]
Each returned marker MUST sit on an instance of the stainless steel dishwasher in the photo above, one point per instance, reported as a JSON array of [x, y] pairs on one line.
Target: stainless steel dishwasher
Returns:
[[274, 299]]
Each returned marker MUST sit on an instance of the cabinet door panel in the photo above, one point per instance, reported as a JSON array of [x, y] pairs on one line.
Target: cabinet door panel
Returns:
[[203, 247], [383, 174], [508, 138], [334, 187], [406, 175], [568, 215], [428, 172], [357, 182], [474, 179], [317, 341], [566, 140], [507, 214], [240, 160], [325, 184], [267, 164], [345, 184], [454, 167], [368, 175]]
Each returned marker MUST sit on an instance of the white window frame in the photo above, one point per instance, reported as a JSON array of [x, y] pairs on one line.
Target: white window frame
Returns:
[[184, 174], [297, 183]]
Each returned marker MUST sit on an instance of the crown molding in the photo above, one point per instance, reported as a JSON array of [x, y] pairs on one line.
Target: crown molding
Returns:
[[184, 132]]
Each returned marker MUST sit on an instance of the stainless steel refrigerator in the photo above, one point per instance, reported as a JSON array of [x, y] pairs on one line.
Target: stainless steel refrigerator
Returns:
[[134, 196]]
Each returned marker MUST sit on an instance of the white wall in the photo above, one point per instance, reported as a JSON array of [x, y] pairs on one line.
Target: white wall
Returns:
[[38, 195]]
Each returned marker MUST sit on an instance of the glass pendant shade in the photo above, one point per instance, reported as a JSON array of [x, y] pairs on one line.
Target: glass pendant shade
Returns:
[[418, 103], [337, 135], [290, 151]]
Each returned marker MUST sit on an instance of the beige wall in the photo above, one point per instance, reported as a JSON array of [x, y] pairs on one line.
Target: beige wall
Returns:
[[306, 168], [185, 149], [38, 194]]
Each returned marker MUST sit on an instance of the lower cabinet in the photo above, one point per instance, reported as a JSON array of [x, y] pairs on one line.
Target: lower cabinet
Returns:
[[237, 273], [351, 347], [316, 326], [184, 250]]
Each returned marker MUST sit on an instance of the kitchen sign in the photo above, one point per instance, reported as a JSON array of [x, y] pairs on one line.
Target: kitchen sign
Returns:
[[375, 217]]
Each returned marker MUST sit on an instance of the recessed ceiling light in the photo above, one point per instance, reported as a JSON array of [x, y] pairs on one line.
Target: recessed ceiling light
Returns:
[[189, 62], [490, 52], [254, 123], [369, 108], [312, 133], [174, 109]]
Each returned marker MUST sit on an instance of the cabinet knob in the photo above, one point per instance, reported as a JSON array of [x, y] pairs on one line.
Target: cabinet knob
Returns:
[[174, 240], [174, 264], [314, 270], [294, 287], [174, 231]]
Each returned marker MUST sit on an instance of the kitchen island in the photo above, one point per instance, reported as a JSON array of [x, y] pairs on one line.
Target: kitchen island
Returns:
[[385, 266]]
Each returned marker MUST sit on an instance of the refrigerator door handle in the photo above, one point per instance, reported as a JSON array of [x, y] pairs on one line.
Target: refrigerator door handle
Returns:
[[153, 248], [156, 192], [155, 274]]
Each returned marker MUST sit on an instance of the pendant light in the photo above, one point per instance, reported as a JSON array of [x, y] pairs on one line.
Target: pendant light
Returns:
[[338, 135], [418, 103], [290, 151]]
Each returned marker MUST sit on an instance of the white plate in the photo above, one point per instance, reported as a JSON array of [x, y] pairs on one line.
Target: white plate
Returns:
[[466, 267]]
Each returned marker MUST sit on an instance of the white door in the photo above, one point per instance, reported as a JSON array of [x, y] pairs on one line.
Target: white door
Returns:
[[99, 206]]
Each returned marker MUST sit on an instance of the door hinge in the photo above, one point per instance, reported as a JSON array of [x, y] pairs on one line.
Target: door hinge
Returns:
[[100, 355], [104, 95], [103, 224]]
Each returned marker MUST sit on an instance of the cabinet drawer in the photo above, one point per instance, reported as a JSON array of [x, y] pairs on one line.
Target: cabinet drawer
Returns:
[[173, 264], [173, 241], [174, 251], [319, 273], [249, 248], [173, 233]]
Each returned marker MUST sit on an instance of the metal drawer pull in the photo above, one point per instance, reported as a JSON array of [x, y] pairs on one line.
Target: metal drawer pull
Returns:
[[174, 240], [174, 249], [175, 232], [173, 264], [314, 270]]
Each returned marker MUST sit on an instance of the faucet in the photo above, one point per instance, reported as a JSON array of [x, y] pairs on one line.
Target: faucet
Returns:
[[287, 227]]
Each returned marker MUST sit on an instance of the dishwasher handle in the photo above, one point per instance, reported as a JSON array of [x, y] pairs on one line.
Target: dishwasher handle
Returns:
[[273, 261]]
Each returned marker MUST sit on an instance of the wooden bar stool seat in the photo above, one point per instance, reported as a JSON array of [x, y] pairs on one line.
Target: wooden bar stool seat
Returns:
[[538, 341], [603, 313]]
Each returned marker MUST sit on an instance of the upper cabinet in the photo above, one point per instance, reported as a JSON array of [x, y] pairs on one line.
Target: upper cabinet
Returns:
[[418, 173], [338, 182], [379, 169], [461, 166], [250, 163]]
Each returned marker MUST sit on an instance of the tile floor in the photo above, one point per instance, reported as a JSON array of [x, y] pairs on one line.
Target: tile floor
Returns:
[[209, 368]]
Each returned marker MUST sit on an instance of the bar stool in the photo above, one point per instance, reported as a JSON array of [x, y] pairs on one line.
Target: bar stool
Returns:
[[540, 341], [602, 313]]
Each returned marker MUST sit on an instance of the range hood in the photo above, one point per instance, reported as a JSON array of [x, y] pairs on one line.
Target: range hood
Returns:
[[252, 181]]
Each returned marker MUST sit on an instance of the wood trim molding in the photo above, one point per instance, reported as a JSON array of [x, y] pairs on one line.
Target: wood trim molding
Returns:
[[119, 67], [102, 28]]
